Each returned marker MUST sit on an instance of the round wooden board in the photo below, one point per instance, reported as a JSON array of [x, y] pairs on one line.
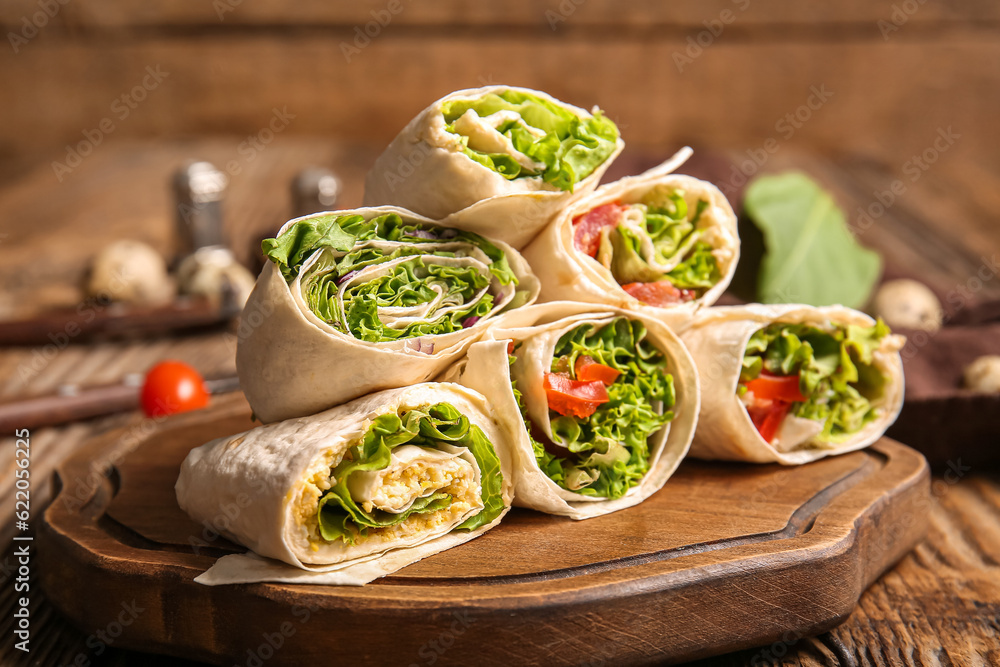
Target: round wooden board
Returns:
[[724, 557]]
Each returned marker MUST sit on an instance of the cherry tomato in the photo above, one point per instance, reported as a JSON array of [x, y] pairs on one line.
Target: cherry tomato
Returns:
[[172, 387], [777, 387], [588, 370], [572, 397], [659, 294], [587, 227]]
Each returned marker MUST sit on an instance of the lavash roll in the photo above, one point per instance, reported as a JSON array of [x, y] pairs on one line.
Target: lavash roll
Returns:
[[535, 331], [567, 273], [425, 171], [261, 489], [293, 363], [717, 342]]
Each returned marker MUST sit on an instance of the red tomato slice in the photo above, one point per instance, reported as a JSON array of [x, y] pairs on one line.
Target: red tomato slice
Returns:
[[587, 227], [777, 387], [768, 420], [659, 294], [588, 370], [172, 387], [573, 397]]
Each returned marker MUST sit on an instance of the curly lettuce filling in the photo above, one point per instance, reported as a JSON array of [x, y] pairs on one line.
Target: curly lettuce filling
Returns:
[[383, 279], [608, 393], [659, 250], [520, 135], [805, 385], [429, 464]]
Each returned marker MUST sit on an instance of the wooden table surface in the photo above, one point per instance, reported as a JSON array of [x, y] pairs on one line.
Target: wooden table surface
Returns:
[[939, 606]]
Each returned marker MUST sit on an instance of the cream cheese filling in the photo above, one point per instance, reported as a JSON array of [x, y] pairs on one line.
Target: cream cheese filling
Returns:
[[413, 472]]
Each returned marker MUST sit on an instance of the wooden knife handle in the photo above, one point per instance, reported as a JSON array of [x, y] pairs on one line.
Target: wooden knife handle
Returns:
[[50, 410], [114, 320]]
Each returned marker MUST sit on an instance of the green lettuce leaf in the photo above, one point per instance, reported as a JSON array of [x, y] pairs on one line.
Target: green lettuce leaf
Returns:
[[341, 518], [350, 243], [811, 256], [571, 148], [608, 453], [837, 374], [699, 270], [634, 254], [291, 249]]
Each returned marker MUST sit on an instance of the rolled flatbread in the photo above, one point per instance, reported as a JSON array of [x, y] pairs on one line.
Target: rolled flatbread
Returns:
[[660, 242], [356, 301], [354, 493], [758, 362], [582, 449], [496, 160]]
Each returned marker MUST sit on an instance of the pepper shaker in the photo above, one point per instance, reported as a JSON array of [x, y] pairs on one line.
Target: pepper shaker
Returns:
[[198, 192], [314, 189]]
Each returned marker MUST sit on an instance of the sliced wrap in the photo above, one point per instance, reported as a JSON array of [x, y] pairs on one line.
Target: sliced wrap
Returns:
[[499, 160], [353, 493], [791, 383], [600, 404], [659, 242], [357, 301]]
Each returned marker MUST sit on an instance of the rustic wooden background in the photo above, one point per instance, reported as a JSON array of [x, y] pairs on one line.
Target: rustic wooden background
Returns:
[[898, 70], [231, 63]]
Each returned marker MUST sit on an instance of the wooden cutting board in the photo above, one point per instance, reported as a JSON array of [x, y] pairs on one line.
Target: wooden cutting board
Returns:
[[724, 557]]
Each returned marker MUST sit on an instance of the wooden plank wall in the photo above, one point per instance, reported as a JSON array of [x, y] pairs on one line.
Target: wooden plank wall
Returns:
[[897, 71]]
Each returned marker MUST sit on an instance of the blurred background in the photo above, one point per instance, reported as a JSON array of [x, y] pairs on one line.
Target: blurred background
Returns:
[[892, 106], [104, 101]]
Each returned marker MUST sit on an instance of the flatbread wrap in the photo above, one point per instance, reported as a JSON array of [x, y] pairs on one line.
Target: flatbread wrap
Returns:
[[496, 160], [659, 242], [792, 383], [600, 404], [355, 492], [351, 302]]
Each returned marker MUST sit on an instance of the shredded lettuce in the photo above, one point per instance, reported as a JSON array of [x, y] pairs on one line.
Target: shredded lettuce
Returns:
[[341, 518], [608, 452], [568, 147], [395, 297], [639, 252], [837, 373]]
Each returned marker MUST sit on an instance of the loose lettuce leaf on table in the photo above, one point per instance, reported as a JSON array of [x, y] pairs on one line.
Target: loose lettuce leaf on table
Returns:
[[811, 256]]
